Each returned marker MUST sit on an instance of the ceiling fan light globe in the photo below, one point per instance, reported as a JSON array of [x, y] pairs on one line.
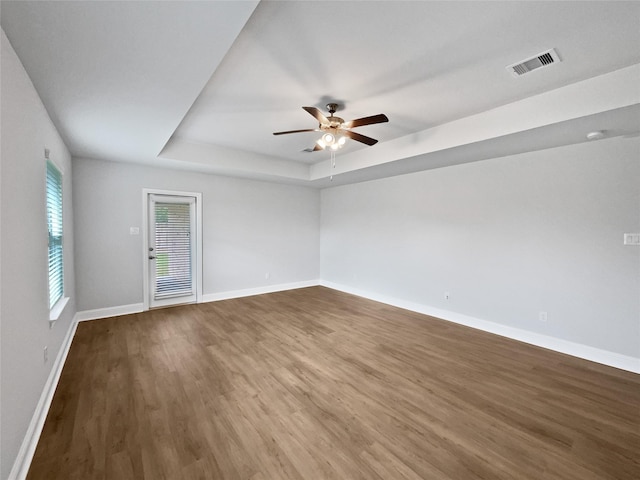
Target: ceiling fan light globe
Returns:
[[342, 141], [321, 143], [335, 146], [328, 139]]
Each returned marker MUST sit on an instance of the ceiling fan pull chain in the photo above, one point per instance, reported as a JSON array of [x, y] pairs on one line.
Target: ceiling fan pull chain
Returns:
[[333, 163]]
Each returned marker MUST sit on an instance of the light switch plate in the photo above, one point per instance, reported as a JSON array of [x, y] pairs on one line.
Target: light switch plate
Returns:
[[632, 238]]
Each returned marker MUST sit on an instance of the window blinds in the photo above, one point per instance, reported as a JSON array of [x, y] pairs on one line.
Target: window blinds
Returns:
[[173, 249], [54, 223]]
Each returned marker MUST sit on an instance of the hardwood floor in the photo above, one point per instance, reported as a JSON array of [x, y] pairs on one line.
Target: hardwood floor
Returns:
[[316, 384]]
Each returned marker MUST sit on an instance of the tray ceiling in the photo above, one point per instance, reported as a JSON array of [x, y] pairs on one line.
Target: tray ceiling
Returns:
[[202, 85]]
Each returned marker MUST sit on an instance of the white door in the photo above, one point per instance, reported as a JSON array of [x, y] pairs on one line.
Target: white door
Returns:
[[172, 250]]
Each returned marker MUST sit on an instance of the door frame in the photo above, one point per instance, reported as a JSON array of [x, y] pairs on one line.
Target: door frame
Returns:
[[146, 193]]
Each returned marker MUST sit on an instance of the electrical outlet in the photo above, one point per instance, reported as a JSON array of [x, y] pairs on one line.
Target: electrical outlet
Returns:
[[542, 316], [46, 354], [447, 295]]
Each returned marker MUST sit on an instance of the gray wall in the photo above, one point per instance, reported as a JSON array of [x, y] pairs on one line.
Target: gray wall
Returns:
[[508, 238], [250, 228], [24, 306]]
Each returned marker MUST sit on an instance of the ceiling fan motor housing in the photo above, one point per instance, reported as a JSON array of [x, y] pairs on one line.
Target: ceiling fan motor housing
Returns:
[[334, 122]]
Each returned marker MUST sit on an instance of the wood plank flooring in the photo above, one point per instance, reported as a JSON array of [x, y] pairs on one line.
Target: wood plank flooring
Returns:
[[316, 384]]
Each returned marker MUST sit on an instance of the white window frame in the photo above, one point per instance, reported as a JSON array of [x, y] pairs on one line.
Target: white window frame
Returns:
[[55, 310]]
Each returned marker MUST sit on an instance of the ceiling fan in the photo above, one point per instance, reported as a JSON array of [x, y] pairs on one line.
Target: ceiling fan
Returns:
[[336, 130]]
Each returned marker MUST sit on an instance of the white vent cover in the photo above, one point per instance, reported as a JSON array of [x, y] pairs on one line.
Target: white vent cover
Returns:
[[543, 59]]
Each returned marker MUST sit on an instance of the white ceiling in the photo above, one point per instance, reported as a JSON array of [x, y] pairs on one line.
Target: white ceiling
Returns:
[[118, 77], [202, 85]]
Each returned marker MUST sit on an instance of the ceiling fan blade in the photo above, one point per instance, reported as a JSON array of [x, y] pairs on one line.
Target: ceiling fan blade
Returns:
[[360, 138], [315, 148], [297, 131], [358, 122], [317, 114]]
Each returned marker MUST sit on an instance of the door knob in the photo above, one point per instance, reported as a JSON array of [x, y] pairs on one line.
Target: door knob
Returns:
[[151, 257]]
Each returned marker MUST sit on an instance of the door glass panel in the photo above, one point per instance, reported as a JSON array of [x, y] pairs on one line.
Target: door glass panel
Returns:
[[173, 245]]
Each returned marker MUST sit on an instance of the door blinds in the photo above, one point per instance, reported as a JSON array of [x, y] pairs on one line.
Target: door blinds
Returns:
[[173, 249], [54, 222]]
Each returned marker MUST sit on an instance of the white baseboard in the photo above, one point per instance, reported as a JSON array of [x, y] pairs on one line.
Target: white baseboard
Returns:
[[247, 292], [99, 313], [30, 442], [585, 352], [109, 312]]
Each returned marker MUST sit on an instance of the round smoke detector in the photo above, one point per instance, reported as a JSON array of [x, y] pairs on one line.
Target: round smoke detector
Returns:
[[596, 135]]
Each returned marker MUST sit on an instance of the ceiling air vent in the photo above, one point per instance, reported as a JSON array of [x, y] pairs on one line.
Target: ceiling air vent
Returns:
[[543, 59]]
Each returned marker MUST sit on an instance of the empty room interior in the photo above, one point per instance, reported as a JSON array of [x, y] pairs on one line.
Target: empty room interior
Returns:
[[272, 240]]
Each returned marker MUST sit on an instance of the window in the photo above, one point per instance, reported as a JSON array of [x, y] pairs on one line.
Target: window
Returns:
[[54, 223]]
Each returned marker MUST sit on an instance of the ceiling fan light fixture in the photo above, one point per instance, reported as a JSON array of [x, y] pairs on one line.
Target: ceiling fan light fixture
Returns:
[[328, 139], [332, 141]]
